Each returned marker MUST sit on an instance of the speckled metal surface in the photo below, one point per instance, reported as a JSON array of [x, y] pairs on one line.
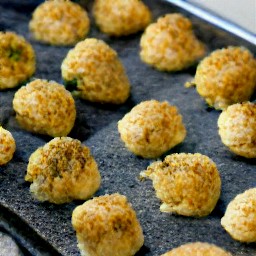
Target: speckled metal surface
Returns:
[[49, 224]]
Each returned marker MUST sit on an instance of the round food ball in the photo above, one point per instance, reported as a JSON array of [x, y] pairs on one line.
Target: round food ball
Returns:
[[93, 71], [151, 128], [197, 249], [226, 76], [7, 146], [62, 170], [59, 22], [170, 44], [240, 217], [237, 129], [121, 18], [107, 226], [17, 60], [187, 184], [45, 107]]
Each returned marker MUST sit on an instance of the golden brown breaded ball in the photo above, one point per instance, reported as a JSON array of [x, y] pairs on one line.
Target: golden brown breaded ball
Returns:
[[151, 128], [59, 22], [170, 44], [197, 249], [7, 146], [62, 170], [240, 217], [94, 72], [121, 18], [17, 60], [187, 184], [107, 226], [45, 107], [226, 76], [237, 128]]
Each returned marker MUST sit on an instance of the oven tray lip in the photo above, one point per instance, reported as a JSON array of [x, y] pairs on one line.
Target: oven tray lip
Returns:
[[216, 20]]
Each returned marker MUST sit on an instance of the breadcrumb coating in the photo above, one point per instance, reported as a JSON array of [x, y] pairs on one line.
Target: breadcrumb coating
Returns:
[[59, 22], [94, 72], [151, 128], [237, 129], [121, 18], [7, 146], [107, 226], [187, 184], [226, 76], [170, 44], [240, 217], [45, 107], [62, 170], [197, 249], [17, 60]]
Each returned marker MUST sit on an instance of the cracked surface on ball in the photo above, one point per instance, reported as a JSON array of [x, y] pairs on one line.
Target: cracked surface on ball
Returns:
[[170, 44], [17, 60], [237, 129], [59, 22], [197, 249], [62, 170], [107, 226], [226, 76], [7, 146], [151, 128], [240, 217], [45, 107], [187, 184], [121, 18], [93, 71]]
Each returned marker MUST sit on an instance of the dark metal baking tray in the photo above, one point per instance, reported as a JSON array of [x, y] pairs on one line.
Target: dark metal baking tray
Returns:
[[44, 228]]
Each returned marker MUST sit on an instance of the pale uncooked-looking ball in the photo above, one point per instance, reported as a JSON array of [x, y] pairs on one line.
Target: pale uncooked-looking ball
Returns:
[[197, 249], [187, 184], [93, 71], [226, 76], [45, 107], [59, 22], [151, 128], [237, 129], [121, 18], [17, 60], [240, 217], [7, 146], [62, 170], [107, 226], [170, 44]]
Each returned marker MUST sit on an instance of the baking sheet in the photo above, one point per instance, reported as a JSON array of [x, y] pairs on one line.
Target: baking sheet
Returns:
[[44, 228]]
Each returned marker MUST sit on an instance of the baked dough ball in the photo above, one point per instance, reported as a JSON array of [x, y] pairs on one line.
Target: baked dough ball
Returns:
[[187, 184], [17, 60], [226, 76], [240, 217], [107, 226], [62, 170], [197, 249], [45, 107], [151, 128], [237, 129], [93, 71], [59, 22], [121, 18], [7, 146], [170, 44]]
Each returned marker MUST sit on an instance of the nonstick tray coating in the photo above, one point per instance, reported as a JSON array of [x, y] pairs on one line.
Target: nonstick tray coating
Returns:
[[44, 228]]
